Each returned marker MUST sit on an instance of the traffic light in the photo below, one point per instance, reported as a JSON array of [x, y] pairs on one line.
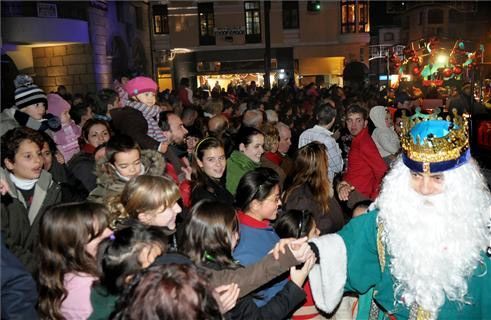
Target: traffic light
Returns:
[[314, 6]]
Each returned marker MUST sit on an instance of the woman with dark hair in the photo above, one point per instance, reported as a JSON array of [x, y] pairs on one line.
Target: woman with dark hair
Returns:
[[209, 164], [212, 232], [94, 134], [250, 142], [308, 188], [175, 291], [258, 198], [69, 235]]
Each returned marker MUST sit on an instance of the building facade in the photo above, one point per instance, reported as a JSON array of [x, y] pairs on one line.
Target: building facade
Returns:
[[225, 41], [82, 45]]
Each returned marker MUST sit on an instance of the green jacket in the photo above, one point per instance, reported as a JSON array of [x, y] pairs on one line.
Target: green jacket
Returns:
[[237, 165], [20, 227], [103, 303]]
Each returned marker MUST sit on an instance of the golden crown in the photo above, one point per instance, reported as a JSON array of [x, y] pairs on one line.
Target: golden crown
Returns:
[[434, 141]]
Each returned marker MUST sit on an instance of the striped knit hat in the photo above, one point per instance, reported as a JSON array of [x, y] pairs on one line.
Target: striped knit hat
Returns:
[[27, 93]]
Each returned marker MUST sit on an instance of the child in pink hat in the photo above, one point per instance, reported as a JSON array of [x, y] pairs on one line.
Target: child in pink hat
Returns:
[[67, 138], [142, 91]]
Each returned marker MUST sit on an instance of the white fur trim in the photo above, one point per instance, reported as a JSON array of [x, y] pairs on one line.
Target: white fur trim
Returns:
[[327, 279]]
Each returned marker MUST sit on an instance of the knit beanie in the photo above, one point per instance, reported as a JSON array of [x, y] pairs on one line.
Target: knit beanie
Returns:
[[140, 85], [27, 93], [56, 104]]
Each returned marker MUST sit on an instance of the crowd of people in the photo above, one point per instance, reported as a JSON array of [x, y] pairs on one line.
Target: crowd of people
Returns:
[[240, 203]]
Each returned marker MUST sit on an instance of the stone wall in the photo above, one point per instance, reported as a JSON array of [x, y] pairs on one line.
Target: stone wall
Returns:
[[68, 65]]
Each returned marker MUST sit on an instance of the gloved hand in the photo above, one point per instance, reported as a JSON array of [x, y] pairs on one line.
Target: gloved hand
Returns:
[[50, 122]]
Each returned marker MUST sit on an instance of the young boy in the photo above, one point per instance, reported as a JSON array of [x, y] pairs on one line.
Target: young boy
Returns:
[[142, 92], [29, 109], [30, 191]]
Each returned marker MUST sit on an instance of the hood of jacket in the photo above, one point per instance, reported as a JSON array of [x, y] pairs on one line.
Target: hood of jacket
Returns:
[[152, 160], [377, 115]]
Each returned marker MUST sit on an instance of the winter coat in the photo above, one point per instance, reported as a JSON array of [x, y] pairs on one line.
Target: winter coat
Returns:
[[303, 199], [385, 138], [20, 227], [213, 190], [237, 165], [19, 292], [82, 166], [109, 184]]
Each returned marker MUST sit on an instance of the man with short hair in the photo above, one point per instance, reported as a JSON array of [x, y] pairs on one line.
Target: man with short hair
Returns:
[[253, 118], [366, 168], [423, 247], [284, 146], [326, 116]]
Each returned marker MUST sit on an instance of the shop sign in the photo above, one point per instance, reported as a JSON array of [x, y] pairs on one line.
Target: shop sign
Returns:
[[47, 10], [229, 31]]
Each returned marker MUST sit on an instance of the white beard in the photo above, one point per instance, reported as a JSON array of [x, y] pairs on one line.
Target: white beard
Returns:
[[435, 242]]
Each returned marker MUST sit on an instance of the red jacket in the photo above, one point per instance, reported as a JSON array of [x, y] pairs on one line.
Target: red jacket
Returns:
[[366, 168]]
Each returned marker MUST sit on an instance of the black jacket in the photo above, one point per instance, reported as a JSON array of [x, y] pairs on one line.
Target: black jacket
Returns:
[[213, 190]]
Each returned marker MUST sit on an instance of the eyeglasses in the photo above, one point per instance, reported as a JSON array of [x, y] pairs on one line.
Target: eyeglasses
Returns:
[[301, 223]]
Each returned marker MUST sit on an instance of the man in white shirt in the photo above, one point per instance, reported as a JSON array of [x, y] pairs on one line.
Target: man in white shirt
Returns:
[[326, 116]]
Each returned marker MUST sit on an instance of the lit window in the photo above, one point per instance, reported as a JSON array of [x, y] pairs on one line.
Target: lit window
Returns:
[[206, 23], [253, 21], [160, 19], [354, 16]]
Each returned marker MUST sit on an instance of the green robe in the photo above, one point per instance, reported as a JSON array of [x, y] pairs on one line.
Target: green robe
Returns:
[[360, 237], [364, 272], [238, 164]]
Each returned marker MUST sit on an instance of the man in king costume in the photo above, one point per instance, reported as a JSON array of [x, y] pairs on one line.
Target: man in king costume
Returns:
[[424, 249]]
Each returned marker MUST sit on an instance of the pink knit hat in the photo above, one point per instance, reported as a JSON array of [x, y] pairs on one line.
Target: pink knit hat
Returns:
[[140, 85], [56, 104]]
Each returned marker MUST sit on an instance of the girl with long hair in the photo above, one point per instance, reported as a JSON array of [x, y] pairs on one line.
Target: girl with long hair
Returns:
[[151, 200], [212, 232], [308, 187], [69, 236], [209, 164]]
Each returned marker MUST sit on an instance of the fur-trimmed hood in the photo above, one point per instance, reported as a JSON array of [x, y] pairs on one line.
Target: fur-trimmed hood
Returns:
[[110, 184]]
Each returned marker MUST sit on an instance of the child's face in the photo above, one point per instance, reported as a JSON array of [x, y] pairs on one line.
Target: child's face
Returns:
[[35, 111], [162, 217], [147, 98], [128, 163], [65, 117], [47, 156], [28, 161], [92, 245]]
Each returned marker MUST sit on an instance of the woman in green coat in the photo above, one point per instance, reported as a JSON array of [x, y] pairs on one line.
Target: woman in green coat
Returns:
[[250, 142]]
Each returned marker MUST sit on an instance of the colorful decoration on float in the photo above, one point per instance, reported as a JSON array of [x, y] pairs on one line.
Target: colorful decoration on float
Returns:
[[428, 60]]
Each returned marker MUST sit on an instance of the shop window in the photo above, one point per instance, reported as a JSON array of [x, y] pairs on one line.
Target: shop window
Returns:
[[435, 16], [206, 23], [253, 21], [354, 16], [290, 14], [160, 19]]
